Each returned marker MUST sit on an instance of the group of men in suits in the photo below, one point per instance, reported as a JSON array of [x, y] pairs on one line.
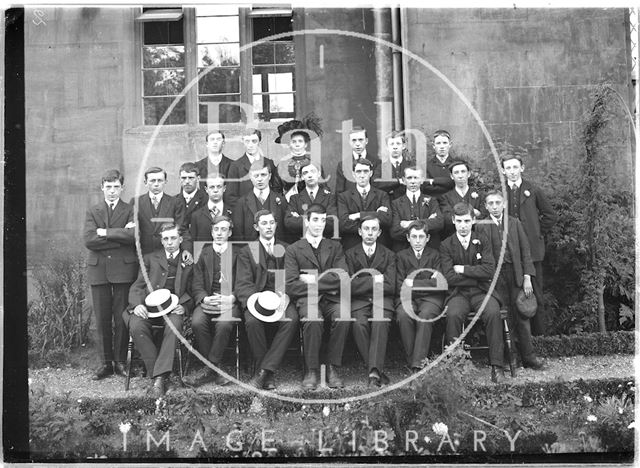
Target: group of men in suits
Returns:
[[399, 237]]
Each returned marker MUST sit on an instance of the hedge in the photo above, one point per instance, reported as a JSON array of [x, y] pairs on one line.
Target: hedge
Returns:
[[585, 344]]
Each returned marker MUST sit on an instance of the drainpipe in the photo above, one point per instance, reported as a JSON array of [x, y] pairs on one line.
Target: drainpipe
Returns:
[[398, 99], [384, 74]]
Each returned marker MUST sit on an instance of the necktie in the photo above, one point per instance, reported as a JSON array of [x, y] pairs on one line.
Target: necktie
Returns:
[[415, 199], [155, 202], [465, 243], [312, 196], [270, 249], [215, 211], [418, 255], [112, 206], [261, 197], [364, 195]]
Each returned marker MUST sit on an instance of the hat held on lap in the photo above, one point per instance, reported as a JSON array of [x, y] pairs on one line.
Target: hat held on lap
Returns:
[[160, 302], [527, 306], [267, 305]]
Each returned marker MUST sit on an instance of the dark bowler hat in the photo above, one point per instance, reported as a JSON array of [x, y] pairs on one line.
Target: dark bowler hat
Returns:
[[527, 306]]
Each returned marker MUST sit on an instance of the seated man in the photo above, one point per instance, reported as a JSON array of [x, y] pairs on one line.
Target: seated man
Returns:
[[215, 304], [515, 274], [427, 305], [371, 336], [257, 265], [202, 218], [305, 261], [312, 192], [468, 265], [414, 206], [166, 270], [461, 192], [363, 199]]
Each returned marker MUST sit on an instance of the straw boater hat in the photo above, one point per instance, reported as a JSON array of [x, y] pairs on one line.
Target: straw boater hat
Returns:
[[268, 304], [527, 306], [160, 302]]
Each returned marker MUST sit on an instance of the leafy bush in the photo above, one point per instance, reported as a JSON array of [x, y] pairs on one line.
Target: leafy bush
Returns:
[[585, 344]]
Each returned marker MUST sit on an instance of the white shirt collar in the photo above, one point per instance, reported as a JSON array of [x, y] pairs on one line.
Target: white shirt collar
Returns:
[[497, 220], [366, 248], [517, 183], [172, 255], [460, 192], [215, 160], [361, 156], [395, 161], [211, 205], [313, 192], [443, 161], [365, 189], [314, 241], [265, 192], [189, 196], [462, 240], [266, 243], [159, 196], [416, 252], [254, 158], [410, 195], [220, 248], [113, 203]]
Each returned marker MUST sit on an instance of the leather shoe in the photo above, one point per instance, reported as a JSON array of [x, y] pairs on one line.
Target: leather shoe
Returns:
[[270, 383], [333, 378], [533, 363], [201, 377], [384, 379], [497, 373], [104, 371], [310, 381], [158, 386], [221, 380], [120, 369], [259, 380]]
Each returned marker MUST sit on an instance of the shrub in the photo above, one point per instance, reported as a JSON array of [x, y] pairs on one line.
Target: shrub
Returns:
[[585, 344]]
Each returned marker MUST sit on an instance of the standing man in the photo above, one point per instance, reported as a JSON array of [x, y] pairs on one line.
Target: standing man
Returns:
[[371, 336], [216, 163], [215, 303], [438, 177], [192, 196], [165, 270], [461, 192], [358, 141], [426, 305], [354, 204], [530, 205], [111, 268], [305, 262], [156, 208], [468, 265], [238, 181], [202, 219], [392, 169], [515, 274], [415, 206], [257, 266]]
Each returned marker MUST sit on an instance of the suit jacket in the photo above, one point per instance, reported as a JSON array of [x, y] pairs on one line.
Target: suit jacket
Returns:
[[393, 187], [299, 204], [407, 263], [427, 209], [350, 202], [342, 183], [169, 208], [252, 270], [247, 206], [201, 221], [206, 168], [199, 199], [112, 259], [517, 243], [157, 266], [449, 199], [299, 257], [384, 260], [203, 272], [537, 217], [442, 181], [240, 183]]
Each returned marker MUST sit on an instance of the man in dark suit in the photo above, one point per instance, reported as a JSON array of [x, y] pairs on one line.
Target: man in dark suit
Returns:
[[516, 272], [156, 208], [216, 310], [202, 219], [461, 192], [391, 178], [260, 197], [414, 206], [192, 196], [216, 163], [259, 264], [305, 262], [165, 269], [530, 205], [358, 141], [239, 181], [468, 265], [362, 200], [311, 193], [111, 268], [371, 337], [417, 310], [438, 179]]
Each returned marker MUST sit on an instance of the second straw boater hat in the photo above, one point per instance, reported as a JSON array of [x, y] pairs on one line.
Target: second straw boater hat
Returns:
[[160, 302]]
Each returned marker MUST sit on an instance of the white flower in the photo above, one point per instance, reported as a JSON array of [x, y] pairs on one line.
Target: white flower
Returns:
[[326, 411], [478, 256], [125, 427], [278, 200], [29, 381], [475, 241], [527, 193], [80, 400], [592, 418], [588, 399], [632, 425], [474, 195], [427, 439], [425, 201], [327, 192], [347, 407], [440, 428], [620, 410]]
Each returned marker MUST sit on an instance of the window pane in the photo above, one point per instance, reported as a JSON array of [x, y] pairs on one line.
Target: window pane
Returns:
[[264, 27], [227, 113], [219, 81], [258, 108], [164, 32], [154, 109], [280, 103], [163, 82], [216, 10], [163, 57], [284, 53], [217, 29], [263, 54], [280, 82], [219, 55], [257, 83]]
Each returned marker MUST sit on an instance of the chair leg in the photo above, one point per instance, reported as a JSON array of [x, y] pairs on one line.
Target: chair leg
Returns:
[[304, 369], [507, 338], [128, 364], [237, 352], [180, 369]]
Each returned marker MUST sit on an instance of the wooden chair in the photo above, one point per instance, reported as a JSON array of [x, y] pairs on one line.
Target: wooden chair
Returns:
[[511, 356]]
